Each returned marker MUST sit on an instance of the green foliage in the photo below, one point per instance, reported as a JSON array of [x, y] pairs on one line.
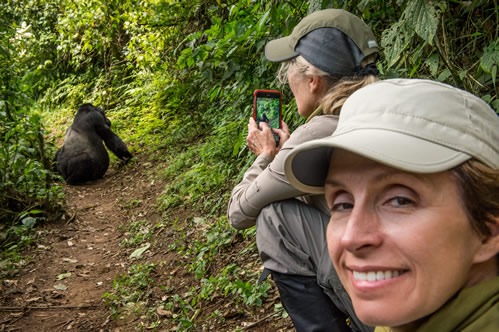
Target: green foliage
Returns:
[[227, 283], [418, 18], [215, 280], [28, 193], [221, 66], [200, 174], [30, 37], [138, 233], [207, 249], [131, 288], [453, 42], [97, 33], [181, 310], [176, 78], [25, 176], [490, 60]]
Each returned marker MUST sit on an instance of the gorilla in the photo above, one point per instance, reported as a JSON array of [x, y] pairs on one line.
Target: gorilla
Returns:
[[83, 157]]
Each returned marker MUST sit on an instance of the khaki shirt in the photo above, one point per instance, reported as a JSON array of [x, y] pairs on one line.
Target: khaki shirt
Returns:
[[265, 182]]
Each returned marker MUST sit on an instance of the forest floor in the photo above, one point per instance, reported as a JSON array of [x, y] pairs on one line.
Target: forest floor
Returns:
[[61, 286]]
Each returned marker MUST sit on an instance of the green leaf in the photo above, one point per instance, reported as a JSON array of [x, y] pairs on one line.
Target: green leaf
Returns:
[[419, 17], [490, 59], [424, 16], [262, 22], [444, 75], [394, 41], [433, 62], [28, 221], [138, 252]]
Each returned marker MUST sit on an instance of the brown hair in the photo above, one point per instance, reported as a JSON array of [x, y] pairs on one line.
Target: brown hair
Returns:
[[479, 189], [337, 95]]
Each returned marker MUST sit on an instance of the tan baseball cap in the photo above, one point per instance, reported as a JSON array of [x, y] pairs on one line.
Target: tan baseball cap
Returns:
[[415, 125], [327, 38]]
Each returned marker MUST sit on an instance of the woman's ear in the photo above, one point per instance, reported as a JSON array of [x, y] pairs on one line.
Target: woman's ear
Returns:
[[490, 244], [316, 85]]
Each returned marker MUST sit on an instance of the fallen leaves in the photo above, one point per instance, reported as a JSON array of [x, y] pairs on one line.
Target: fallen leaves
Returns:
[[60, 286], [138, 252], [63, 276]]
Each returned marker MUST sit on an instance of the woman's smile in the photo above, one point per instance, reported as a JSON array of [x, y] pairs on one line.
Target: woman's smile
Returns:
[[373, 276], [392, 240]]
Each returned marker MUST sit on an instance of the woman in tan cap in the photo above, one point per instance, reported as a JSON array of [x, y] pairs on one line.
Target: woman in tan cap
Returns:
[[411, 176], [329, 55]]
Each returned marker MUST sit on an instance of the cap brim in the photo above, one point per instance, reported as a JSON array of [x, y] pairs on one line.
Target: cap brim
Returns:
[[307, 165], [278, 50]]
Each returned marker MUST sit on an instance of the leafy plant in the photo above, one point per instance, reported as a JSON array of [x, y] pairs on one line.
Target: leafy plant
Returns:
[[443, 40], [138, 232], [28, 191], [130, 288]]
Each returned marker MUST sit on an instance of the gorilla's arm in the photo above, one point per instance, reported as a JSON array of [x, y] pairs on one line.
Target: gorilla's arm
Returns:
[[113, 142], [118, 147]]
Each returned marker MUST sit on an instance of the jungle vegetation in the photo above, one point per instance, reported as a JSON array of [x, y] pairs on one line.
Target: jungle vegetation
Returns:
[[177, 77]]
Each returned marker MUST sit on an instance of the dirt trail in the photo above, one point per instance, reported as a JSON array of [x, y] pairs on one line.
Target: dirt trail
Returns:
[[76, 260]]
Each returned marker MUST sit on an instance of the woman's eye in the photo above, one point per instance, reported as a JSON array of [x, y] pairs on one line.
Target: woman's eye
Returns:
[[341, 201], [341, 207], [400, 201]]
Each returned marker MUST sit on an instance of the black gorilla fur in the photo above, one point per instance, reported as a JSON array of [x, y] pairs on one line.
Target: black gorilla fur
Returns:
[[83, 157]]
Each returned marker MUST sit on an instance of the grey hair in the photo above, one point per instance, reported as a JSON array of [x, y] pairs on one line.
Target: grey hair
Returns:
[[303, 67], [339, 88]]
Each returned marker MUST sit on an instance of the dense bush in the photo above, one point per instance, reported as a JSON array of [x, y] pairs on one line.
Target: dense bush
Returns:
[[28, 193]]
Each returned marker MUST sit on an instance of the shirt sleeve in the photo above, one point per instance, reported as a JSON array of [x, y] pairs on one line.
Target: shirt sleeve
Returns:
[[265, 182]]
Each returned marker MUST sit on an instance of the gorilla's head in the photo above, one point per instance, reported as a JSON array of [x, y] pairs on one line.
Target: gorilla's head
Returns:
[[87, 108]]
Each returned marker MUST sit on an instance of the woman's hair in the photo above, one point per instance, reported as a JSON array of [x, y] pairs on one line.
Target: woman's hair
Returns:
[[339, 87], [479, 189], [302, 67], [337, 95]]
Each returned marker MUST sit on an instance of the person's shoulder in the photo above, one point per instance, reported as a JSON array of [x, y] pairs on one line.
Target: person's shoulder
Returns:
[[324, 117], [318, 127]]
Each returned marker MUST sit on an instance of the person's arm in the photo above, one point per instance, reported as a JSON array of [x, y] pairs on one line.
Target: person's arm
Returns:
[[259, 187], [265, 182]]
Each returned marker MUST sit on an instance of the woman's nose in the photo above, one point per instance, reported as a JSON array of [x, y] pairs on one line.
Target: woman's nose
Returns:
[[362, 230]]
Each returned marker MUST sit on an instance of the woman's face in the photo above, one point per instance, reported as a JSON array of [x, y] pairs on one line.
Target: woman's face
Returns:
[[300, 86], [400, 242]]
